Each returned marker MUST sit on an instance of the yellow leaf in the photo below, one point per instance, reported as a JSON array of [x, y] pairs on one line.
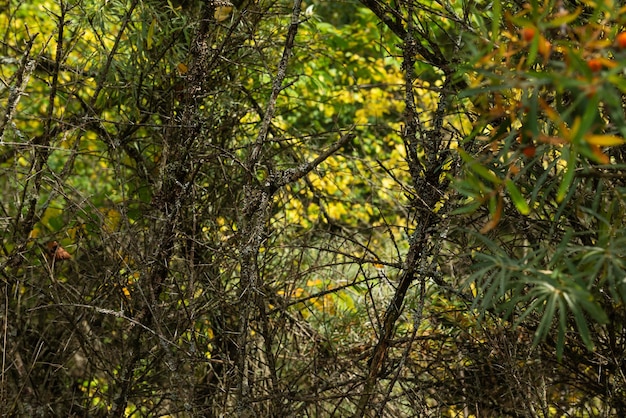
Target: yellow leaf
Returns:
[[182, 68], [150, 37], [222, 13], [336, 209], [314, 283], [600, 157], [604, 140]]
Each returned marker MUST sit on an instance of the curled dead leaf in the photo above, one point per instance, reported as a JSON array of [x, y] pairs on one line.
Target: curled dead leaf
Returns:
[[56, 252]]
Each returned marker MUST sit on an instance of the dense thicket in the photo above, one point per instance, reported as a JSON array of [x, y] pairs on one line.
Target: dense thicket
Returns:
[[407, 208]]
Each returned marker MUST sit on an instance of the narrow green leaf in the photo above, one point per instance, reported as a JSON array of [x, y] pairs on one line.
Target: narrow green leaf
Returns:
[[496, 11], [150, 37], [570, 155], [591, 116], [564, 19], [517, 198], [479, 90], [478, 276], [530, 122], [594, 310], [560, 340], [478, 168], [583, 329], [532, 308], [467, 208], [484, 172], [546, 319], [534, 49]]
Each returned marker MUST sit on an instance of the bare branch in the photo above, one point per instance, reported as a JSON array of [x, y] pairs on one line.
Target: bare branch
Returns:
[[285, 177], [26, 66], [276, 87]]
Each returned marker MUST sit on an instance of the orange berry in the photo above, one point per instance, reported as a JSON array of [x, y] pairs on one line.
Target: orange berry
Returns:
[[528, 34], [595, 64], [529, 151], [620, 39], [544, 47]]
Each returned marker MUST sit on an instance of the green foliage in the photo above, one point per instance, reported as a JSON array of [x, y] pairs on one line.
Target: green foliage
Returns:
[[555, 294], [550, 108], [229, 257]]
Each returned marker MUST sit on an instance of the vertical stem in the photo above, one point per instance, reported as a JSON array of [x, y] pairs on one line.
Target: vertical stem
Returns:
[[255, 215], [170, 201], [277, 86], [425, 180]]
